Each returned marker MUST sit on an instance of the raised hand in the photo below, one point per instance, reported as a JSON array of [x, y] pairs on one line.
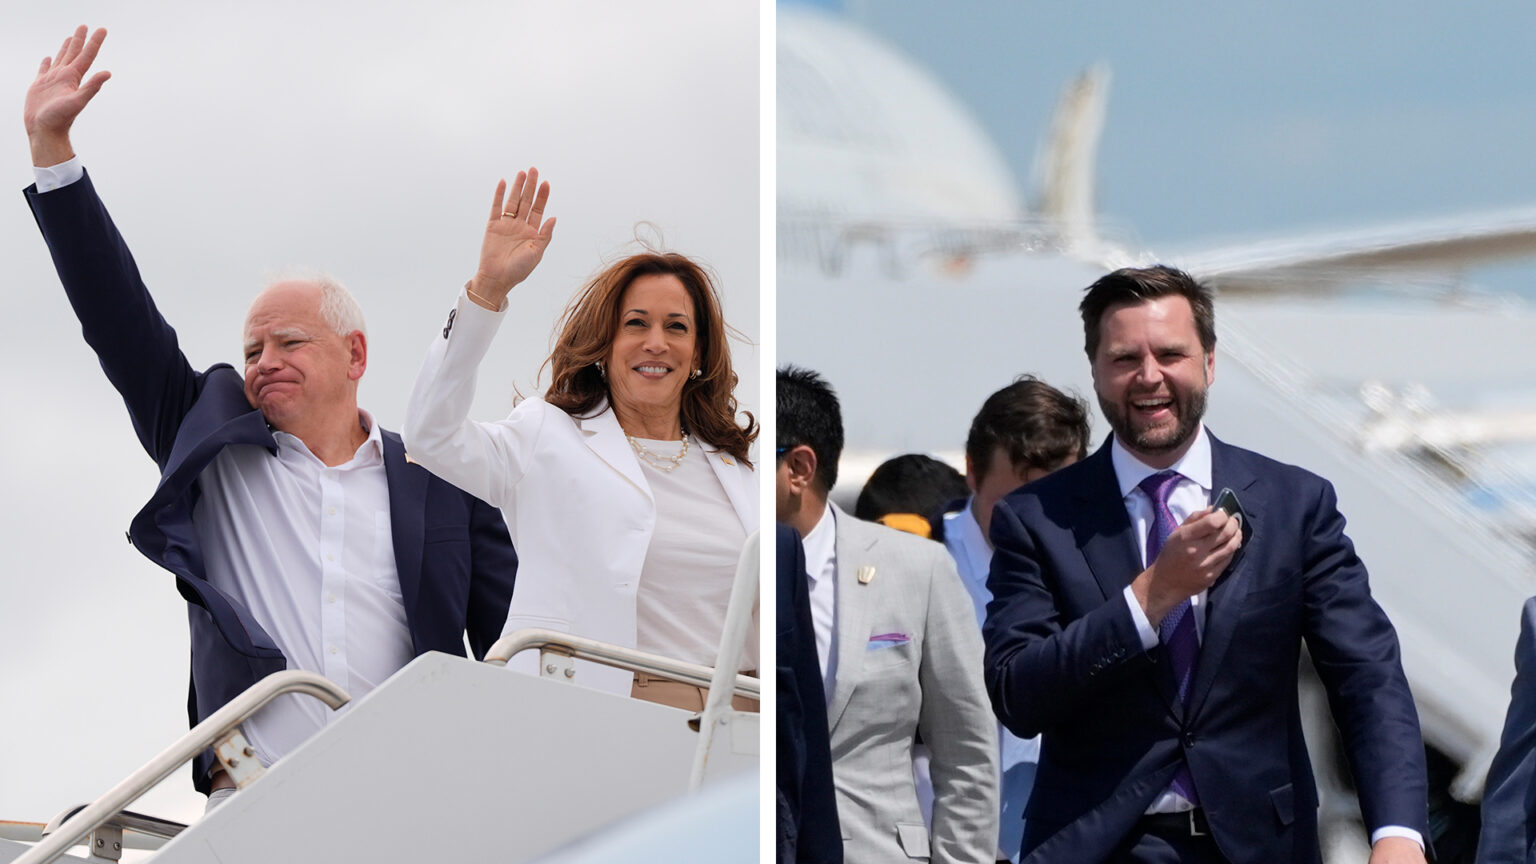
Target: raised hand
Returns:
[[515, 238], [58, 95], [1192, 559]]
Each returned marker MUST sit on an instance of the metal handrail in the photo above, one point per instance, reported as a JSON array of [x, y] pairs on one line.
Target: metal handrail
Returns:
[[154, 830], [195, 741], [733, 636], [617, 656]]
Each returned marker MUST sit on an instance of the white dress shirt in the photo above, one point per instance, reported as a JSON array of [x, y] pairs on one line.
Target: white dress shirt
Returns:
[[1191, 495], [821, 568], [309, 550]]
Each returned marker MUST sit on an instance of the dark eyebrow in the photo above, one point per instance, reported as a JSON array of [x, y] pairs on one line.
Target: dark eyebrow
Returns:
[[645, 312]]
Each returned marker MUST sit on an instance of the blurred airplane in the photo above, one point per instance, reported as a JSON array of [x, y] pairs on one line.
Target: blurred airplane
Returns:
[[911, 276]]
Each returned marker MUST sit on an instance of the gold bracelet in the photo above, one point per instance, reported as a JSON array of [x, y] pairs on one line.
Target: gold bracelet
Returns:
[[483, 302]]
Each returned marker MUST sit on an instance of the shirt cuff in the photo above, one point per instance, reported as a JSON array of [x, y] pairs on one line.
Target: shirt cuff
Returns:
[[1397, 831], [1143, 626], [57, 176]]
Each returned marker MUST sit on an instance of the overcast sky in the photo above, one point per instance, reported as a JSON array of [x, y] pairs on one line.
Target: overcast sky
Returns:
[[235, 141]]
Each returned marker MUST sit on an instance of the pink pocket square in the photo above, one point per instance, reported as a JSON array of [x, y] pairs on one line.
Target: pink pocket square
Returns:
[[887, 640]]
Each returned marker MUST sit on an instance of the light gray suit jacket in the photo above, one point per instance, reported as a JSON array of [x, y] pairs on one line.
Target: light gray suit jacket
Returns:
[[1509, 801], [908, 661]]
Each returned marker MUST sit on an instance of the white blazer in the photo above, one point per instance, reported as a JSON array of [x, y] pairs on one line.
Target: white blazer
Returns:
[[575, 499]]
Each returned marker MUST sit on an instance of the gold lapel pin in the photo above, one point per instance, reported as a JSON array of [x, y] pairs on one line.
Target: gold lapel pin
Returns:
[[410, 461], [726, 459], [866, 574]]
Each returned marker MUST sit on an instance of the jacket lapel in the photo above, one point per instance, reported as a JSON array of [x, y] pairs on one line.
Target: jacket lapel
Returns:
[[733, 479], [605, 437], [1224, 600], [407, 497], [852, 611], [1102, 528], [1107, 539]]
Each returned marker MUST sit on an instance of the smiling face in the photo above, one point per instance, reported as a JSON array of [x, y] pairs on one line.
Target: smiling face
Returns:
[[298, 371], [1151, 375], [654, 349]]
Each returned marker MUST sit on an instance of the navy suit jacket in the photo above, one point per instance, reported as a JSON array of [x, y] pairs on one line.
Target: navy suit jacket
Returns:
[[1064, 659], [1509, 798], [454, 556], [812, 834]]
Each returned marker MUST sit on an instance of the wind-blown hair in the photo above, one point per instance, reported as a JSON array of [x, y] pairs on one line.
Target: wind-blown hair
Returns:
[[591, 321]]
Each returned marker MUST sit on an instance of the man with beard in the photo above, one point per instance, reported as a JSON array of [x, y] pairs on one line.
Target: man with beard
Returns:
[[1154, 639]]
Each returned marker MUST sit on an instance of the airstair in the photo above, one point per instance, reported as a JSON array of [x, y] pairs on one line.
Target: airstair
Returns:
[[448, 760]]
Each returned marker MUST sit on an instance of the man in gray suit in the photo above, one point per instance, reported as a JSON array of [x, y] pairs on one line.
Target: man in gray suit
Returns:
[[1509, 798], [899, 652]]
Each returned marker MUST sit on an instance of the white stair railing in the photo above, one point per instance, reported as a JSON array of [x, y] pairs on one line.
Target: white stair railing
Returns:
[[220, 727]]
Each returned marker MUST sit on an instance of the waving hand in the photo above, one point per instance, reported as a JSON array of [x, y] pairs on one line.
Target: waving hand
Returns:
[[58, 95], [515, 238]]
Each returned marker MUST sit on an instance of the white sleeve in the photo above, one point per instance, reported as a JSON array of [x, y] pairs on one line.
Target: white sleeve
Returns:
[[1397, 831], [53, 177], [484, 459], [1144, 627]]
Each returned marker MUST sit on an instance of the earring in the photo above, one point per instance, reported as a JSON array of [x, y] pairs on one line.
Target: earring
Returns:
[[694, 374], [601, 372]]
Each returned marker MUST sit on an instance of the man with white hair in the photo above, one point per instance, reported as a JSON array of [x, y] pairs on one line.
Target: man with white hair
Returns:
[[297, 530]]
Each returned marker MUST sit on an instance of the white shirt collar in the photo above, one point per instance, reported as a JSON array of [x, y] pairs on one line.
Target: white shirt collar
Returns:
[[1195, 464], [820, 544], [967, 545], [369, 453]]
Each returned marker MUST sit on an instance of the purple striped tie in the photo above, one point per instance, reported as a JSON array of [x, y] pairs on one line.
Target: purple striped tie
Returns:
[[1177, 630]]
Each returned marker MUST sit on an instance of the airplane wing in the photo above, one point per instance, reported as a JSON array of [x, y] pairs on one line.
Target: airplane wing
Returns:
[[1326, 261]]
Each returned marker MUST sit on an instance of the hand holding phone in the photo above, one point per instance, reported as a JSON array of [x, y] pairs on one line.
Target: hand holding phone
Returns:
[[1226, 501]]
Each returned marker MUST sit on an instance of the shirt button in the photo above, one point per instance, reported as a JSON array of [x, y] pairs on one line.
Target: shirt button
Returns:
[[334, 649], [330, 557], [331, 512], [330, 598]]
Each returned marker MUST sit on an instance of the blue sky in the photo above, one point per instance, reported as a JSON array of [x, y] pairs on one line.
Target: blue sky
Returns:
[[1232, 119]]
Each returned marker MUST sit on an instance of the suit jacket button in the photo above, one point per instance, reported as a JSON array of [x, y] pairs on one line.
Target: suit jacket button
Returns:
[[1189, 739]]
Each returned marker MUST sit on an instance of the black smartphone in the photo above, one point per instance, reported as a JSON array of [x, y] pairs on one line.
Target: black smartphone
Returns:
[[1226, 501]]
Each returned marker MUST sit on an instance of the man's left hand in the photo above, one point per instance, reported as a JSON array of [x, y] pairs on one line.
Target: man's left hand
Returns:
[[1396, 850]]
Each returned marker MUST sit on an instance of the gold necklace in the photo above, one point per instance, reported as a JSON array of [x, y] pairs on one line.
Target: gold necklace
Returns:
[[661, 463]]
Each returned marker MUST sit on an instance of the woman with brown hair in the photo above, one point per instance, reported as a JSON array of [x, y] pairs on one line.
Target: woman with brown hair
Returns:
[[626, 487]]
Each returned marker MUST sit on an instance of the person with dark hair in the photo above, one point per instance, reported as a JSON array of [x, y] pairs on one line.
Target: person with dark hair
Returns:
[[907, 492], [1022, 433], [627, 486], [1153, 638], [899, 656], [293, 523]]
